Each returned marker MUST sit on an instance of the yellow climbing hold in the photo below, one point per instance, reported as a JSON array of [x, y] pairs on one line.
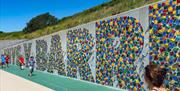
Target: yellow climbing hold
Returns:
[[103, 39], [135, 38], [151, 14], [111, 23], [174, 12], [174, 2], [76, 38], [158, 41], [172, 82], [155, 22], [112, 78], [135, 48], [131, 87], [129, 21], [173, 68], [127, 62], [169, 30], [137, 81], [142, 34], [172, 39], [177, 54], [135, 89], [104, 55], [156, 12], [120, 46], [167, 2], [166, 45], [167, 58], [131, 41], [123, 65], [151, 31], [177, 33], [163, 17], [98, 32], [126, 42], [170, 9], [131, 55], [160, 31], [120, 59], [112, 64], [137, 21], [155, 6], [130, 80]]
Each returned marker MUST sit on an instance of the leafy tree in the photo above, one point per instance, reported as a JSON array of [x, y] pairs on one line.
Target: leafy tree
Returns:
[[1, 31], [39, 22]]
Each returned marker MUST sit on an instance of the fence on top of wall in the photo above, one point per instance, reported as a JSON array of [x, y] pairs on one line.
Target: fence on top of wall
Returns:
[[112, 51]]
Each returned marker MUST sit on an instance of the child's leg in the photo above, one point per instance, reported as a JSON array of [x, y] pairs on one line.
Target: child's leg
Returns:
[[20, 66], [2, 64], [7, 64], [31, 71]]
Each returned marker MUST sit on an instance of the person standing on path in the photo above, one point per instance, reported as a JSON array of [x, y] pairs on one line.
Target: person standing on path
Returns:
[[21, 61], [2, 60], [7, 60], [31, 63]]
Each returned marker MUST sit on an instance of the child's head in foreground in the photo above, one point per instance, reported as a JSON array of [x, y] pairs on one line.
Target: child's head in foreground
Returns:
[[154, 75]]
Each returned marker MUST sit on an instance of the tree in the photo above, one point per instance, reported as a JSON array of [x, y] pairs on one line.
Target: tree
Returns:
[[1, 31], [39, 22]]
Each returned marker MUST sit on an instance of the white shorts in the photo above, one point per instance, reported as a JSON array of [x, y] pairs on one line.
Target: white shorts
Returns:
[[30, 67]]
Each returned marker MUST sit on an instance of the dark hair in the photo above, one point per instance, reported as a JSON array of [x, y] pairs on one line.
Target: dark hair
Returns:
[[155, 75]]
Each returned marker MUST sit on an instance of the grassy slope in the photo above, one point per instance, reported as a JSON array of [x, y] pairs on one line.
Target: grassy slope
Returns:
[[95, 13]]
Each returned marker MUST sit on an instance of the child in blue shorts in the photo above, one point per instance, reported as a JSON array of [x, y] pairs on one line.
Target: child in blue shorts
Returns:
[[3, 60]]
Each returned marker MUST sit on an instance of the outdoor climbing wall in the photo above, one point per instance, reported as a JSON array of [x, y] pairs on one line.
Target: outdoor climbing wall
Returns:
[[119, 43], [80, 45], [164, 39], [27, 51], [56, 56], [112, 51]]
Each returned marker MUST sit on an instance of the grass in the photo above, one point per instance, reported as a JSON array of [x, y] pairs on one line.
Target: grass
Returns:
[[98, 12]]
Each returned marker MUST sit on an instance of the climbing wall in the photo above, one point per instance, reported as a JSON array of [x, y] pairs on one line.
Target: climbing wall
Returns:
[[112, 51], [119, 43], [164, 39]]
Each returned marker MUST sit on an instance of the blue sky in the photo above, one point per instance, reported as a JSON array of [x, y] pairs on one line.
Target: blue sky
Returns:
[[14, 14]]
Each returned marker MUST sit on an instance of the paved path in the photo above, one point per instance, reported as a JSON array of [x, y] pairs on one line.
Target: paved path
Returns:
[[55, 82], [11, 82]]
